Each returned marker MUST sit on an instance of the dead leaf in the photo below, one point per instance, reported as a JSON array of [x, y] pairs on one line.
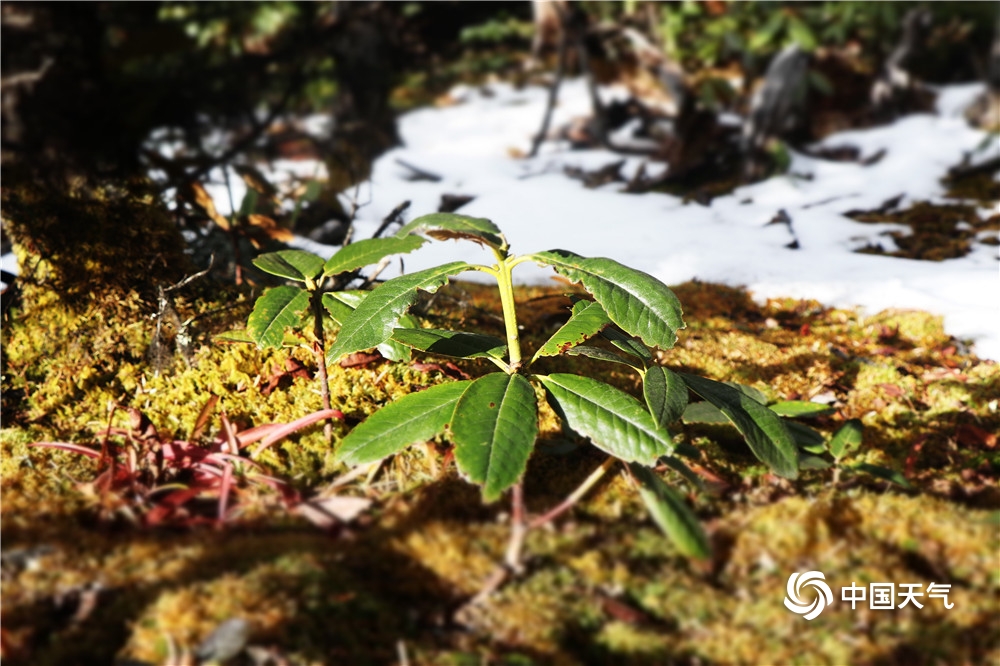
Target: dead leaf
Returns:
[[255, 180], [359, 359], [225, 642], [142, 429], [79, 602], [449, 369], [892, 389], [327, 512], [195, 194], [716, 484], [972, 435], [911, 459], [623, 612], [203, 416], [293, 369], [271, 228], [944, 373]]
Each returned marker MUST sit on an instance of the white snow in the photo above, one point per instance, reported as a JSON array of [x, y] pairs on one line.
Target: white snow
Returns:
[[474, 145], [537, 207]]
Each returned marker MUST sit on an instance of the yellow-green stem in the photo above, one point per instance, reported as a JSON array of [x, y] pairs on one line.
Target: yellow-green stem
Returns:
[[505, 283]]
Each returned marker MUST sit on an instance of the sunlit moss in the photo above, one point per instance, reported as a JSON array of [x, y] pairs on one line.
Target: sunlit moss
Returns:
[[430, 542]]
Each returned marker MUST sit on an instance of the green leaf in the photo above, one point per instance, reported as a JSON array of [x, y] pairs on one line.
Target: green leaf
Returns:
[[765, 35], [812, 462], [681, 468], [666, 394], [639, 303], [341, 304], [337, 307], [801, 34], [846, 439], [601, 355], [627, 344], [276, 310], [446, 226], [749, 391], [415, 417], [233, 336], [451, 343], [671, 513], [883, 473], [764, 430], [806, 438], [249, 203], [494, 429], [587, 320], [314, 188], [799, 409], [372, 322], [366, 252], [292, 264], [290, 339], [613, 420], [705, 412], [687, 450], [397, 351], [350, 297]]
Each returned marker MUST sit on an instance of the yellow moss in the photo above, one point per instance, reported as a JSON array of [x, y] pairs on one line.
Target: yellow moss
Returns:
[[463, 555], [430, 542], [624, 639]]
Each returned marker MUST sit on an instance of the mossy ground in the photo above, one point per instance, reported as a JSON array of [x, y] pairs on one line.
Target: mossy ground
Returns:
[[602, 585]]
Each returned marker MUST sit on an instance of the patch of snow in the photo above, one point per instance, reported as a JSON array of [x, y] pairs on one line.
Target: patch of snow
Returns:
[[538, 208]]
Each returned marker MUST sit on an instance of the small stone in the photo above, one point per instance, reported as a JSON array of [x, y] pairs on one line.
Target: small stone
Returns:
[[227, 641]]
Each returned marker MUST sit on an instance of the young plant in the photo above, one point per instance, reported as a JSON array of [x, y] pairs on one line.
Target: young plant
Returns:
[[812, 444], [292, 306], [493, 420]]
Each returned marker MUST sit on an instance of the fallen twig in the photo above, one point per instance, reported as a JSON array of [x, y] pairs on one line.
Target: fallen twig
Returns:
[[393, 216], [418, 173]]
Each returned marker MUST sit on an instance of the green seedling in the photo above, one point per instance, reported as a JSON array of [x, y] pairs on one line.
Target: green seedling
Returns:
[[845, 441], [812, 444], [294, 306], [492, 421]]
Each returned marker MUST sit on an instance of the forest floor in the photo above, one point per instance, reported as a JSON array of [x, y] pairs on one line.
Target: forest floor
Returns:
[[108, 557], [93, 575]]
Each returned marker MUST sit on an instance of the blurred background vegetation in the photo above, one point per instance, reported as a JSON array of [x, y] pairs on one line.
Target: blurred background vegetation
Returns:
[[85, 83], [90, 87]]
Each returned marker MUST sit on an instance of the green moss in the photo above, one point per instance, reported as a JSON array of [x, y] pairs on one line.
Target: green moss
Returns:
[[429, 542]]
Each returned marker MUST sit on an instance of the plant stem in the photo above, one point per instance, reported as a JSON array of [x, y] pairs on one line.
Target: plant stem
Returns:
[[575, 496], [506, 285], [518, 530], [512, 558], [319, 348]]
